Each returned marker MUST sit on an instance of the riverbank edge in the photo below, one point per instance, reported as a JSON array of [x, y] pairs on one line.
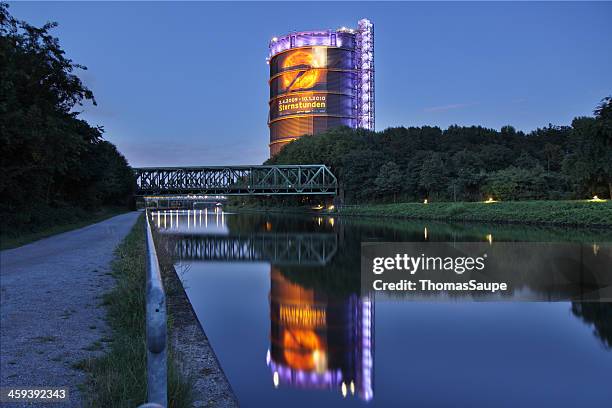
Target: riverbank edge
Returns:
[[545, 213], [118, 376], [10, 242], [195, 355]]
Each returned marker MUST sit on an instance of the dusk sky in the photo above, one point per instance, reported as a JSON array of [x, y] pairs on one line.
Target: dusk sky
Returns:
[[186, 83]]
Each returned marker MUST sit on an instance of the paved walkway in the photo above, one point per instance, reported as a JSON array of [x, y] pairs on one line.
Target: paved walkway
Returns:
[[50, 314]]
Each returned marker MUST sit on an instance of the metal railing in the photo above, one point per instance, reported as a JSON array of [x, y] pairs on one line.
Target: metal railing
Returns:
[[156, 317]]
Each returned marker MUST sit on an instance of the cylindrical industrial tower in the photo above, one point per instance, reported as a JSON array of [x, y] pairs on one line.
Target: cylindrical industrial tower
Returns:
[[320, 80]]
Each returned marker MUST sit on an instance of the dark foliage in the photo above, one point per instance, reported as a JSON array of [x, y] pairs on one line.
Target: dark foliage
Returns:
[[599, 315], [50, 158], [465, 163]]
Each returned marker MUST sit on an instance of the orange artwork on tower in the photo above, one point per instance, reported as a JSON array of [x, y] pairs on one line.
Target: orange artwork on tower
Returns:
[[304, 78]]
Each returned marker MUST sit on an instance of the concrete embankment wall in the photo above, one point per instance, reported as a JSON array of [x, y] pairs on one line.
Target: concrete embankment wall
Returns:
[[190, 343]]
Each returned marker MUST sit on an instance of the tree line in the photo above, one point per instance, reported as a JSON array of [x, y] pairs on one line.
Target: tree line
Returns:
[[465, 163], [51, 159]]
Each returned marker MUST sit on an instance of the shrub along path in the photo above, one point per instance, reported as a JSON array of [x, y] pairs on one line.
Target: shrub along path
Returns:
[[50, 311]]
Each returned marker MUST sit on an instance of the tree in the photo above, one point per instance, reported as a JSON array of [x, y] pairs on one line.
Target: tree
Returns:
[[603, 113], [589, 162], [514, 183], [432, 175], [507, 130], [468, 175], [526, 161], [599, 315], [357, 170], [553, 154], [47, 153], [389, 180], [463, 163]]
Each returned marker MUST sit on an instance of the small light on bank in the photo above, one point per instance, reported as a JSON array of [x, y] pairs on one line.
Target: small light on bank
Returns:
[[596, 199], [490, 200], [425, 201], [331, 207]]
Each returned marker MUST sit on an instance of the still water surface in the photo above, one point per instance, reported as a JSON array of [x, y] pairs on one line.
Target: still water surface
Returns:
[[279, 299]]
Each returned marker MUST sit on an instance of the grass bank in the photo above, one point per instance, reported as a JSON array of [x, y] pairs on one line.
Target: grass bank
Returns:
[[53, 221], [569, 213], [118, 378]]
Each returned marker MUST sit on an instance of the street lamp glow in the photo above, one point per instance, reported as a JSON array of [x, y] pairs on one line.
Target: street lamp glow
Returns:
[[596, 199]]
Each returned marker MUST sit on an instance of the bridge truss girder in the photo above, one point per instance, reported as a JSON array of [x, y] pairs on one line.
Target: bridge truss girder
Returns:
[[276, 248], [237, 180]]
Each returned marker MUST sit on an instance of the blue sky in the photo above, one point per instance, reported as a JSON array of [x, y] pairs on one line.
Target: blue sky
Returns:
[[186, 83]]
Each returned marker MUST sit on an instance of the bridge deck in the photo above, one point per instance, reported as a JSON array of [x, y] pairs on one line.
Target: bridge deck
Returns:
[[237, 180]]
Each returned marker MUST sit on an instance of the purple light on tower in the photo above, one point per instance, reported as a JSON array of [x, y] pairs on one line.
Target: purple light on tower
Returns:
[[340, 64], [365, 67]]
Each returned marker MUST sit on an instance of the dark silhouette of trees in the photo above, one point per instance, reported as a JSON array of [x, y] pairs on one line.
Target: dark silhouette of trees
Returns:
[[432, 177], [50, 158], [589, 162], [466, 163], [389, 180], [597, 315]]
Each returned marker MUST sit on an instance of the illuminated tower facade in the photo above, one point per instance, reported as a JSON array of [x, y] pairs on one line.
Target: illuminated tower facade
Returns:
[[320, 80]]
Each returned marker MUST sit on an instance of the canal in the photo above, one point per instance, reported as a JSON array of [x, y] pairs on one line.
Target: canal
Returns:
[[279, 299]]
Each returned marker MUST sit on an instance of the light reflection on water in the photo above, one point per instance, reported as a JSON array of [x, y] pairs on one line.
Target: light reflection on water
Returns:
[[182, 221], [279, 299]]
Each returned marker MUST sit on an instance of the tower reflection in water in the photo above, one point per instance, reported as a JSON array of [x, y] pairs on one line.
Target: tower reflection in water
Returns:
[[320, 341]]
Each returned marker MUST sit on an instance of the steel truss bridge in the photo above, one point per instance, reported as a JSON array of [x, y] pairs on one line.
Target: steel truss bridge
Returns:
[[236, 180], [278, 249]]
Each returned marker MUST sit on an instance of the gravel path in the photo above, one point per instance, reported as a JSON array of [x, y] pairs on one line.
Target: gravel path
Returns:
[[50, 313]]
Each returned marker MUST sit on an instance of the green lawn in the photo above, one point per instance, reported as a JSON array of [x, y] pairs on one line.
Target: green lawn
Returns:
[[585, 213]]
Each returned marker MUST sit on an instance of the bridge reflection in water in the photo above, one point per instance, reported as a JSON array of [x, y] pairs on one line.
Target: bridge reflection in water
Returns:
[[276, 248], [318, 339]]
